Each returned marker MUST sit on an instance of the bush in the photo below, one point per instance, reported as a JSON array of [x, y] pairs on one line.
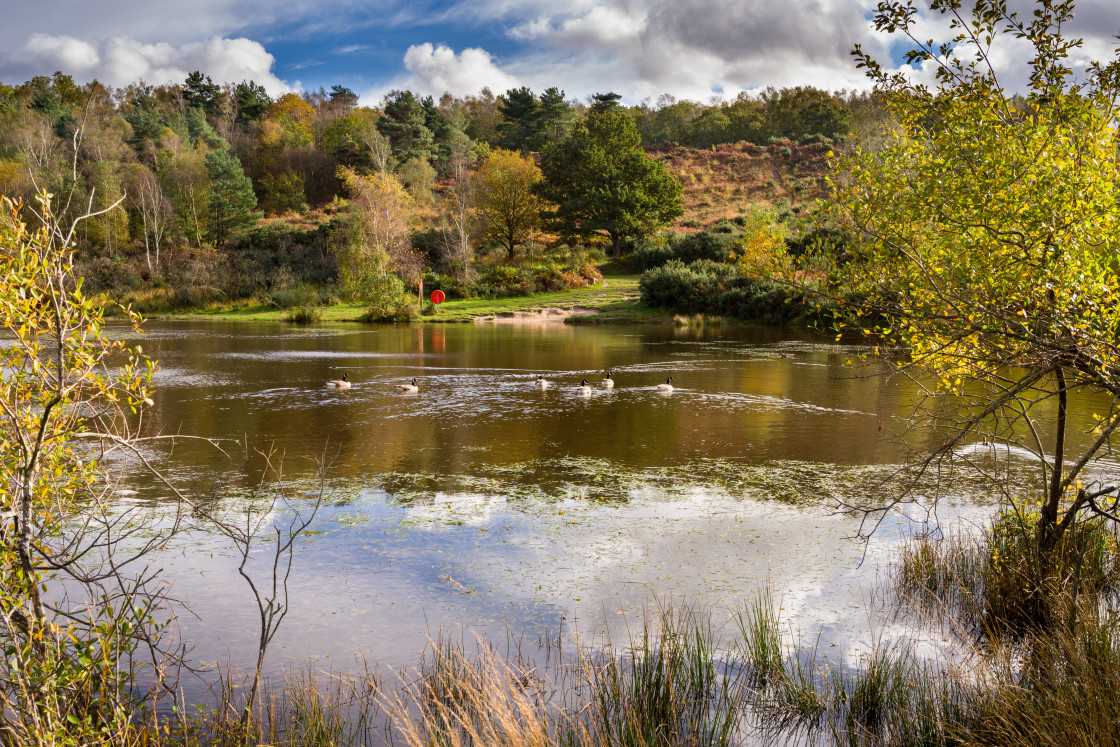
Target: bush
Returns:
[[429, 244], [451, 286], [716, 246], [830, 241], [647, 254], [707, 287], [195, 296], [703, 245], [303, 314], [300, 294], [686, 288], [399, 309], [761, 300], [503, 281], [813, 138]]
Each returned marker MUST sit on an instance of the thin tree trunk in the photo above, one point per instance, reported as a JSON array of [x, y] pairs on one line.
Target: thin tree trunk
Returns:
[[1048, 521]]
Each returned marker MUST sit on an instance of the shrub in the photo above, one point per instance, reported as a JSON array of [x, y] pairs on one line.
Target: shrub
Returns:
[[590, 273], [400, 309], [195, 296], [704, 245], [686, 288], [429, 244], [812, 138], [451, 286], [706, 287], [831, 241], [550, 279], [300, 294], [761, 300], [647, 254], [504, 280], [305, 314]]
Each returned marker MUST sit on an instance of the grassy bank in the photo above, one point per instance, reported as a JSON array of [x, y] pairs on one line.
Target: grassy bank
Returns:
[[615, 301]]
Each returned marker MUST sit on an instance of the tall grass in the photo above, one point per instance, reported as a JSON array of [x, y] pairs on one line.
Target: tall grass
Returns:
[[997, 584], [671, 687], [1036, 661], [308, 707]]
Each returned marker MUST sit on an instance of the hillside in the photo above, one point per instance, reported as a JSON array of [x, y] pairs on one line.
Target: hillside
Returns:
[[722, 181]]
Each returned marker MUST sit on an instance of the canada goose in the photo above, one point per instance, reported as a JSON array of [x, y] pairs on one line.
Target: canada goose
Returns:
[[667, 386], [584, 389], [409, 387], [608, 383], [542, 383], [343, 383]]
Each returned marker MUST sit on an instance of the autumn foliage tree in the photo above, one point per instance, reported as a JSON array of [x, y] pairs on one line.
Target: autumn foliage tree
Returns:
[[990, 228], [376, 256], [507, 209], [72, 619]]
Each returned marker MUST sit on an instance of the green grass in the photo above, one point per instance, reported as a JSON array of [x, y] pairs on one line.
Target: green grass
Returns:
[[615, 301]]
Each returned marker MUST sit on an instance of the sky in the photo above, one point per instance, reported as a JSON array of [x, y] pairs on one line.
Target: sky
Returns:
[[641, 49]]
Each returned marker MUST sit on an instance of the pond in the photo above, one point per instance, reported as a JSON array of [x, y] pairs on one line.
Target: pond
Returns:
[[484, 505]]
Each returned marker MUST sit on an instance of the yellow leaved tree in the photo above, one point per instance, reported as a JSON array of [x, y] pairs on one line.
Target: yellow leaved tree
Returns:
[[989, 230], [73, 624]]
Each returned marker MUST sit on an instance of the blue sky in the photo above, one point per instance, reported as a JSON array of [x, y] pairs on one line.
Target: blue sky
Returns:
[[695, 49]]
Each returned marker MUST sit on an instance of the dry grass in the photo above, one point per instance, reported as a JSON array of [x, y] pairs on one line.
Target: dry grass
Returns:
[[720, 183]]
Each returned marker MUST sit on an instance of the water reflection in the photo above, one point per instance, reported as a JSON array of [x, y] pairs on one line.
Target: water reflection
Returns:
[[484, 501]]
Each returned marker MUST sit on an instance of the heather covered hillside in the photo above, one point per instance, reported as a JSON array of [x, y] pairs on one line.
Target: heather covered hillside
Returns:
[[720, 182]]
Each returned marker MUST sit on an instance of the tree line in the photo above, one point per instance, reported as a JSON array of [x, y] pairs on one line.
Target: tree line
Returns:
[[196, 165]]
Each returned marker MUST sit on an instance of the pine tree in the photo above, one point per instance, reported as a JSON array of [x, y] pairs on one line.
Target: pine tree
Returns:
[[603, 182], [405, 124], [231, 197], [519, 110]]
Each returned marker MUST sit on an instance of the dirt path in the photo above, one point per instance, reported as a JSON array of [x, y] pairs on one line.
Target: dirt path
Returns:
[[778, 179]]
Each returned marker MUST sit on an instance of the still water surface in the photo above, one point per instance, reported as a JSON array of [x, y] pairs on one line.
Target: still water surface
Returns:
[[484, 505]]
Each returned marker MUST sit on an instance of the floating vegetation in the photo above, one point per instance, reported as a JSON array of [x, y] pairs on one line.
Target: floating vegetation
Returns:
[[797, 483]]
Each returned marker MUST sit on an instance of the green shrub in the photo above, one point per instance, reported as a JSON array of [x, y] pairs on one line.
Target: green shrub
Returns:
[[812, 138], [303, 314], [686, 288], [830, 241], [707, 287], [400, 309], [760, 300], [704, 245], [195, 296], [503, 281], [299, 294], [647, 254], [451, 286]]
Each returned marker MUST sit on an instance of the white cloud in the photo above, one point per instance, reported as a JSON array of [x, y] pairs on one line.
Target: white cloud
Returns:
[[639, 48], [123, 60], [433, 70], [697, 48], [68, 53], [694, 48]]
